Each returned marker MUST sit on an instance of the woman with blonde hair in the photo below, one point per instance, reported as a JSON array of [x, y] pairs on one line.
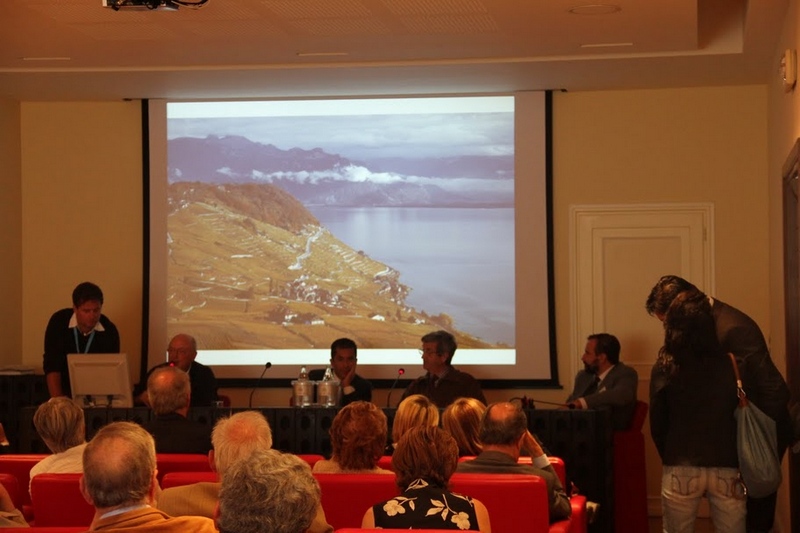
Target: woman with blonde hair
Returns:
[[462, 419], [358, 436], [414, 411]]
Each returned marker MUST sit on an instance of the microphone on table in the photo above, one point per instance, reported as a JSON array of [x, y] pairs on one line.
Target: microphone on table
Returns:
[[266, 367], [400, 372]]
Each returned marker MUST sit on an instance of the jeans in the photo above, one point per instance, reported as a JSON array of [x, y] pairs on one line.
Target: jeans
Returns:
[[682, 487]]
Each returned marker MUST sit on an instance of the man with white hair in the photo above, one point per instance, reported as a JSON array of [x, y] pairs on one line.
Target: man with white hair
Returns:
[[233, 439], [119, 480]]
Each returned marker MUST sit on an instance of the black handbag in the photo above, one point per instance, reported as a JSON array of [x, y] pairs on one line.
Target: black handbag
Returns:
[[756, 445]]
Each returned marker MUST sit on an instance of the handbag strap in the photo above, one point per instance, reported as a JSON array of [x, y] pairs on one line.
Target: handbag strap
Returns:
[[739, 390]]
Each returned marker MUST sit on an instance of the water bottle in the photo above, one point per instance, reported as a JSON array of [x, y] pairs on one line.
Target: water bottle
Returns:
[[302, 389], [328, 389]]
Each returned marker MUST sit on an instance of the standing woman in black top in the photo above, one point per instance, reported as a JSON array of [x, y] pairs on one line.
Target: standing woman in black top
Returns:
[[692, 403]]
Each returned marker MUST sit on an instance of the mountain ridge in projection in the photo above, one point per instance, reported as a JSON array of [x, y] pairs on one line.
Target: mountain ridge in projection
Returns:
[[250, 268], [316, 177]]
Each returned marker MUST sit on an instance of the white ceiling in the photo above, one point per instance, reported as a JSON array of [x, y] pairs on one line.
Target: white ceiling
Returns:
[[77, 49]]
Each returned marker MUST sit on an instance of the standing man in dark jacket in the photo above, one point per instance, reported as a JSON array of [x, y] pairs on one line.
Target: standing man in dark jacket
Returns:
[[763, 383], [81, 328]]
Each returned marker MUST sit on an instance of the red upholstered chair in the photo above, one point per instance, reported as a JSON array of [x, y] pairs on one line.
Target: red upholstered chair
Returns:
[[57, 501], [310, 458], [346, 497], [511, 499], [19, 465], [359, 530], [630, 475], [11, 485], [181, 462], [178, 479], [385, 462]]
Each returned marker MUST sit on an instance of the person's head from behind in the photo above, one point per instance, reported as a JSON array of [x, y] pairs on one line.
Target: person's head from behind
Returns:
[[87, 304], [169, 390], [237, 437], [344, 353], [59, 422], [268, 492], [415, 410], [663, 292], [182, 351], [503, 424], [119, 466], [462, 419], [358, 436], [425, 452], [689, 331], [601, 353], [437, 351]]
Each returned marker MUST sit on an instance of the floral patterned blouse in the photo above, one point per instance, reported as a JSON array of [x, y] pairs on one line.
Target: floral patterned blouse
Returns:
[[424, 506]]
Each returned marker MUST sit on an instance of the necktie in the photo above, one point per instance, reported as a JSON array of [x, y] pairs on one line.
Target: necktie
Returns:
[[593, 387]]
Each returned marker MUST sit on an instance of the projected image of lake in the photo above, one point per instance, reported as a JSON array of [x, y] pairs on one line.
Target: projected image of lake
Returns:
[[458, 261]]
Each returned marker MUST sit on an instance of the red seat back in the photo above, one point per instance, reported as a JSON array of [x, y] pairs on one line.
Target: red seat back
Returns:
[[178, 479], [310, 458], [385, 462], [57, 501], [346, 497], [503, 494], [11, 485], [181, 462], [19, 465], [36, 529], [639, 415]]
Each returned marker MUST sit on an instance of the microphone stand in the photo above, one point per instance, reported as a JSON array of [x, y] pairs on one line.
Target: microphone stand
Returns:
[[266, 367], [400, 372]]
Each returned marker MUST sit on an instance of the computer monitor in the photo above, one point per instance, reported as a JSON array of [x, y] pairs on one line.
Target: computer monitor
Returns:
[[100, 379]]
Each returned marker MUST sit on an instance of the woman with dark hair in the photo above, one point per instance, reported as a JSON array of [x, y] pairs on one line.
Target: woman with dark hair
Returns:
[[462, 419], [424, 461], [692, 403], [358, 436]]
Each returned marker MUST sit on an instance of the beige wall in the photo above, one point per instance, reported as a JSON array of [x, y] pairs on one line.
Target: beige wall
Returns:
[[10, 234], [81, 214]]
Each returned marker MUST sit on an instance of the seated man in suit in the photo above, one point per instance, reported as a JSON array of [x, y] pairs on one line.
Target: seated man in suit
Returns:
[[344, 360], [170, 394], [119, 480], [442, 383], [269, 492], [605, 382], [234, 439], [504, 436], [182, 351]]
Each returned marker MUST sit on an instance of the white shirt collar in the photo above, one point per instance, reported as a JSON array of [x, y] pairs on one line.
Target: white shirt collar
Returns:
[[73, 323]]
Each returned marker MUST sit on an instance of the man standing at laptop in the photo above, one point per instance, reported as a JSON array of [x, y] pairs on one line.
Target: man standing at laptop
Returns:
[[81, 328]]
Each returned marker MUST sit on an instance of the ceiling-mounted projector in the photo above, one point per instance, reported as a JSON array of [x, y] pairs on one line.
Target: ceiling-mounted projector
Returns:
[[140, 5]]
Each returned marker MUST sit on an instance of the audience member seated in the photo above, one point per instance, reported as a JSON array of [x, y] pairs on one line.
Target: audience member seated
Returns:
[[182, 351], [462, 419], [424, 461], [234, 439], [170, 394], [81, 328], [442, 383], [9, 515], [268, 492], [119, 480], [59, 422], [416, 410], [605, 382], [504, 435], [358, 438]]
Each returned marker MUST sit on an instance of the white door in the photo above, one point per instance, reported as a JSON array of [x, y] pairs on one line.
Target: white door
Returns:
[[618, 252]]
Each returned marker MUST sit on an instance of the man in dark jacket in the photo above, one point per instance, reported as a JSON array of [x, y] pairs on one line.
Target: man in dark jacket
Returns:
[[763, 383]]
